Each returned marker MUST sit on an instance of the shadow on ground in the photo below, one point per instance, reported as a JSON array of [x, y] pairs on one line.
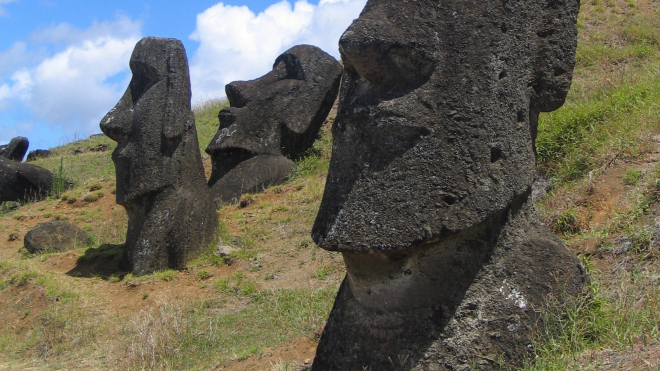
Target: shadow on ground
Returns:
[[99, 262]]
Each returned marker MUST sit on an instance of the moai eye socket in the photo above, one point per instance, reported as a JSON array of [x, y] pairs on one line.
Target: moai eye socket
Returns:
[[144, 77]]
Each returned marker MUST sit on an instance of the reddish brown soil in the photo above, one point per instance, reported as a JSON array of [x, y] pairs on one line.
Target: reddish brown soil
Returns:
[[608, 196]]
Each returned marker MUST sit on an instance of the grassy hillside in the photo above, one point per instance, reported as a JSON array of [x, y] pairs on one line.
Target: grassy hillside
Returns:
[[263, 305]]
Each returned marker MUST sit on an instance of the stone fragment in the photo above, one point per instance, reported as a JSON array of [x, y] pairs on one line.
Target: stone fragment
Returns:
[[428, 195], [271, 121], [160, 176], [38, 153], [16, 149], [23, 182], [55, 236]]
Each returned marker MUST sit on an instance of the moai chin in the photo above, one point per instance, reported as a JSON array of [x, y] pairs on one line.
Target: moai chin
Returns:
[[160, 176], [428, 191], [271, 121]]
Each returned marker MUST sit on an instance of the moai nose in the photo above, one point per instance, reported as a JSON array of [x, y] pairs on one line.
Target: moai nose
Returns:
[[117, 123]]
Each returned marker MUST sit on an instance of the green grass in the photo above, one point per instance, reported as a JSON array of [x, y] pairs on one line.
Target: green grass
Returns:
[[206, 120], [632, 177], [589, 131], [197, 335], [83, 167], [611, 114], [617, 314]]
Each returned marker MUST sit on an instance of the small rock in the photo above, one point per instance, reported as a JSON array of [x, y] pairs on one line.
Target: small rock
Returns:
[[100, 148], [656, 228], [587, 247], [622, 245], [225, 250], [54, 236], [11, 205], [37, 154]]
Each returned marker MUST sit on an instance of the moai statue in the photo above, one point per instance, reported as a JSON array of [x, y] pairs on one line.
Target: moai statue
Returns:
[[160, 176], [23, 182], [428, 191], [16, 149], [271, 121]]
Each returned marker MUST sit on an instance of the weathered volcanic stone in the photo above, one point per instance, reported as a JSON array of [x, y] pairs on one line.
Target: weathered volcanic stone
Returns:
[[160, 176], [38, 153], [16, 149], [55, 236], [22, 182], [271, 121], [428, 191]]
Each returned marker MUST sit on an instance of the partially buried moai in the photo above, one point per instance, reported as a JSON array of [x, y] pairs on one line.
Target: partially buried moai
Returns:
[[160, 176], [271, 121], [428, 191]]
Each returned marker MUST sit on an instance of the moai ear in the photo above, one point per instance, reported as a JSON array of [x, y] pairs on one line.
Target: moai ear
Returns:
[[178, 118], [294, 69], [556, 38]]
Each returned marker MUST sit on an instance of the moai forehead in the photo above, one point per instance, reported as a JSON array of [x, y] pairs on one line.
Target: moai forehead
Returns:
[[437, 116], [151, 119]]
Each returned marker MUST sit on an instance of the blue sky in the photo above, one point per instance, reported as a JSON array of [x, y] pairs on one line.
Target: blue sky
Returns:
[[64, 64]]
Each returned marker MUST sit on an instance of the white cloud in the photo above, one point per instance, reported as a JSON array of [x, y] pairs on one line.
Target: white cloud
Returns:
[[2, 9], [237, 44], [71, 86], [122, 28], [75, 86]]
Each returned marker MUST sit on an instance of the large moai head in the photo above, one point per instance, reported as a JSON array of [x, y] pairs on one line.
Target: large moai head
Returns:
[[437, 116], [160, 176], [152, 120], [428, 190], [271, 121]]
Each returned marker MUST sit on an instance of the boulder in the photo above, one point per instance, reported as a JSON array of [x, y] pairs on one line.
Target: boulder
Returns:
[[160, 176], [22, 182], [16, 149], [38, 153], [428, 195], [271, 121], [55, 236]]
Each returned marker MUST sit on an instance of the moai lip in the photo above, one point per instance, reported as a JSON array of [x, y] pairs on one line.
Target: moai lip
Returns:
[[160, 176], [271, 121], [428, 191]]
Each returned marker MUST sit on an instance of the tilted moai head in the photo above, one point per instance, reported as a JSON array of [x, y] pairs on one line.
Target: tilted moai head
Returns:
[[427, 195], [16, 149], [160, 177], [272, 120]]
